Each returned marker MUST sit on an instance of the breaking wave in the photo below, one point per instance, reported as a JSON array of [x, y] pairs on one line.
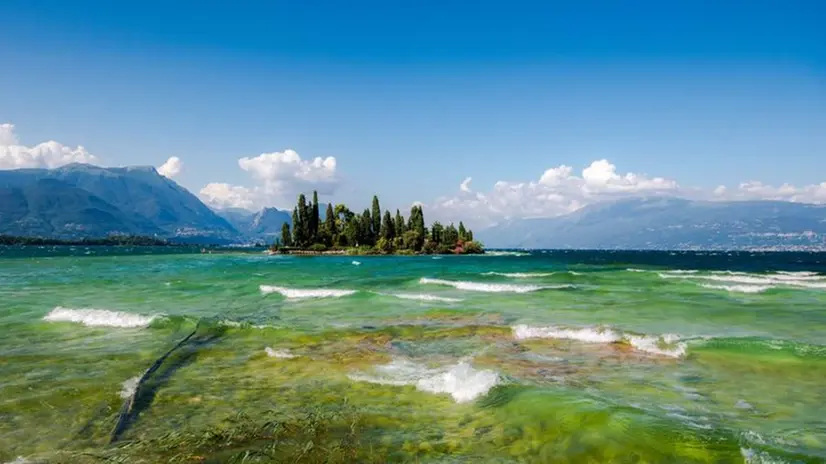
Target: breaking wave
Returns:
[[739, 288], [490, 287], [461, 381], [520, 275], [298, 293], [425, 297], [664, 345], [750, 283], [98, 317]]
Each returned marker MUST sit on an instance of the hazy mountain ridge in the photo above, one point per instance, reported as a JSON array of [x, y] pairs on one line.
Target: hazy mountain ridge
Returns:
[[670, 223], [84, 200]]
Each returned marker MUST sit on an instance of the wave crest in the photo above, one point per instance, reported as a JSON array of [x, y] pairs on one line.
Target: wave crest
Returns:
[[98, 317], [425, 297], [298, 293], [489, 287], [461, 381], [520, 275], [664, 345]]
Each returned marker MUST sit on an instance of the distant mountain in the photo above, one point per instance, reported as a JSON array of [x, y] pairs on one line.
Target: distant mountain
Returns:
[[84, 200], [670, 223], [265, 224]]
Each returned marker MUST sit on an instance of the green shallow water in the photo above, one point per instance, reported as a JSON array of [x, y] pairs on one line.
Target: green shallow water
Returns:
[[533, 357]]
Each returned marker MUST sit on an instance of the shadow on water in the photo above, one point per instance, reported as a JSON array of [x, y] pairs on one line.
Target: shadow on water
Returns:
[[158, 375]]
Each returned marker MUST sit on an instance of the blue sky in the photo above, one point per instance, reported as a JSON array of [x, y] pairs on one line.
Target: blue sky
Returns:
[[412, 99]]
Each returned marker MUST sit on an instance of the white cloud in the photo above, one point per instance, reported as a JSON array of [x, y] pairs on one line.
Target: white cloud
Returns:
[[49, 154], [221, 195], [558, 191], [465, 185], [171, 168], [286, 173], [279, 177]]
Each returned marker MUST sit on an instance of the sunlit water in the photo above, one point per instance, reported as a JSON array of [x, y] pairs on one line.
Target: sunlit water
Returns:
[[526, 357]]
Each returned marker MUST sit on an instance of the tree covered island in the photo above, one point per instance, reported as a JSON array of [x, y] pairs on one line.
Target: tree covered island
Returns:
[[371, 232]]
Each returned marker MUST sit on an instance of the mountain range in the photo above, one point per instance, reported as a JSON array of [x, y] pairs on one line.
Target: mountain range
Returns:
[[80, 200], [670, 223]]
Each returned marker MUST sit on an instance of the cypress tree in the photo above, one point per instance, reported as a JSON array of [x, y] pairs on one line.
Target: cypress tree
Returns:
[[400, 229], [462, 232], [330, 225], [436, 232], [387, 231], [376, 217], [470, 235], [286, 238], [314, 220], [451, 236], [367, 228], [296, 227]]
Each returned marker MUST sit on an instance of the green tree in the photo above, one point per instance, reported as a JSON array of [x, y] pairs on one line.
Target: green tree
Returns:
[[376, 217], [286, 238], [462, 232], [313, 221], [366, 228], [399, 226], [470, 236], [451, 235], [384, 245], [436, 232], [387, 228], [410, 240], [296, 241], [330, 228]]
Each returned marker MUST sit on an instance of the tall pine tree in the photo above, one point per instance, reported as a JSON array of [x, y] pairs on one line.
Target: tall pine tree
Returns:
[[367, 237], [400, 229], [314, 220], [462, 232], [286, 238], [330, 228], [376, 217], [387, 229]]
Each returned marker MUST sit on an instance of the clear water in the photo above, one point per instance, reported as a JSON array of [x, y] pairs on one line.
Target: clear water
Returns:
[[525, 357]]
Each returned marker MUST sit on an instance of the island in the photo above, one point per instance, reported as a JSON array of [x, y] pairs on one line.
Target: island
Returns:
[[370, 233]]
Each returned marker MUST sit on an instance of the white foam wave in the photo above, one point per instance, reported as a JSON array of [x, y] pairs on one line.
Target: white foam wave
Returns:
[[589, 335], [461, 381], [728, 277], [664, 345], [486, 287], [98, 317], [356, 263], [425, 297], [280, 354], [635, 270], [520, 275], [129, 386], [739, 288], [506, 253], [297, 293]]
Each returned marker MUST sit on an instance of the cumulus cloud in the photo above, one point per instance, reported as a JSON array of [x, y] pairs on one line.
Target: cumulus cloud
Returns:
[[279, 176], [171, 168], [222, 196], [558, 191], [49, 154]]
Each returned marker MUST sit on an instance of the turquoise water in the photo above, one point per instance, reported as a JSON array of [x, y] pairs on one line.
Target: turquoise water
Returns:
[[521, 357]]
